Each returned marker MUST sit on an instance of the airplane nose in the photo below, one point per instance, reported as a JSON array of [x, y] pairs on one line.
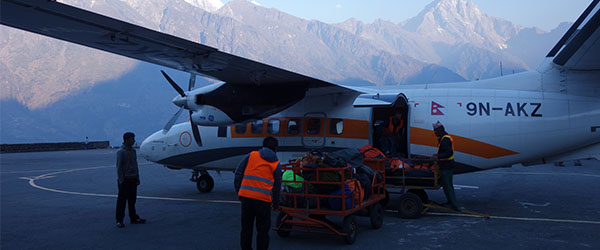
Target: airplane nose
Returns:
[[145, 150], [180, 101]]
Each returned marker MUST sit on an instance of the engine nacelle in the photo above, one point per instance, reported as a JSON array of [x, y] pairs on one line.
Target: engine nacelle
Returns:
[[207, 115]]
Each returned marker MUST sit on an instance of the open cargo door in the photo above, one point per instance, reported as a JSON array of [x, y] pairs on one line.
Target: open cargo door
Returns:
[[383, 107]]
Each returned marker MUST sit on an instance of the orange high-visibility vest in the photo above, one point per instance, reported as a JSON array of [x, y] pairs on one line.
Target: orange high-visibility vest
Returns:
[[391, 126], [451, 141], [258, 178]]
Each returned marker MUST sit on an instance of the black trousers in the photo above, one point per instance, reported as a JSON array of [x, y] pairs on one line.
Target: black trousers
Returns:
[[252, 208], [127, 196]]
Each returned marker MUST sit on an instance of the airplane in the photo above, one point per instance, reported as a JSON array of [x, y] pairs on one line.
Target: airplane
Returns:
[[548, 114]]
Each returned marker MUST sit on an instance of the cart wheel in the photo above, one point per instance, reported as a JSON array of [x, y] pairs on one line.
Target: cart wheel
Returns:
[[349, 227], [384, 202], [422, 194], [411, 206], [376, 214], [280, 219]]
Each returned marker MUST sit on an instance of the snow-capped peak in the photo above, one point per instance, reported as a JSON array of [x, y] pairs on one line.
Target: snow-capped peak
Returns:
[[208, 5]]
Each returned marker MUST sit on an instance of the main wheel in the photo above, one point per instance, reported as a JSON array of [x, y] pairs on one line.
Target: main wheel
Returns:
[[421, 193], [349, 227], [205, 183], [280, 219], [376, 214], [411, 206]]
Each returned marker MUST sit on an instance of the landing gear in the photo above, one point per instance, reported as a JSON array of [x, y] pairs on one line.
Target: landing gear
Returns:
[[204, 182]]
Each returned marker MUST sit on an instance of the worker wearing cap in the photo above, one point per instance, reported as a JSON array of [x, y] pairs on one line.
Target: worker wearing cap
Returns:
[[445, 157], [257, 182]]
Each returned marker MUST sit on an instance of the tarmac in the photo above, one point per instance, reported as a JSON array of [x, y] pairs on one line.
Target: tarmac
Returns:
[[66, 200]]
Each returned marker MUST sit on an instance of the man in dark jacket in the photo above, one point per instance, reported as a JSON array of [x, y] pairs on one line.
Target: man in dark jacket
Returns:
[[128, 179], [258, 182], [391, 140], [445, 157]]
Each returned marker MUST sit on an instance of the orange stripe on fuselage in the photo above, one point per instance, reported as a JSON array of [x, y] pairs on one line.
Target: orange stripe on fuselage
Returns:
[[353, 129], [465, 145]]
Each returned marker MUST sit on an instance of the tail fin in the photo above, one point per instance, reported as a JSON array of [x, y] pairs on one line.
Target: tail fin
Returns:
[[579, 48]]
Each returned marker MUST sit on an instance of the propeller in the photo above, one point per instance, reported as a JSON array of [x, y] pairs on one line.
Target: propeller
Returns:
[[182, 102]]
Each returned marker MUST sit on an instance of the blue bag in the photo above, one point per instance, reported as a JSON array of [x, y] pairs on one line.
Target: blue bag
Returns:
[[336, 203]]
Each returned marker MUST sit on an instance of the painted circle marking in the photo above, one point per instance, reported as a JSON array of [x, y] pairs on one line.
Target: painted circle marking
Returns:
[[32, 183], [185, 139]]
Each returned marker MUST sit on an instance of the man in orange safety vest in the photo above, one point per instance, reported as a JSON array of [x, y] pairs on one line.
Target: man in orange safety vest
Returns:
[[258, 182]]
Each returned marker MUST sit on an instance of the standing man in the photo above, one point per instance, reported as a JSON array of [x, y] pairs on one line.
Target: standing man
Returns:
[[392, 142], [128, 180], [257, 182], [445, 157]]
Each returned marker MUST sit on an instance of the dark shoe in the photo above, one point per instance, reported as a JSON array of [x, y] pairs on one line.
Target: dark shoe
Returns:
[[120, 224], [138, 221]]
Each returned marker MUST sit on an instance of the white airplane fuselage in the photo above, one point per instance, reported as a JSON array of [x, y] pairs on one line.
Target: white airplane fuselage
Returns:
[[494, 122]]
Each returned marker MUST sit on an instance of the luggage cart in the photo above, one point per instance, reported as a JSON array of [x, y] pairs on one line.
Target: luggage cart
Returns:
[[414, 201], [413, 198], [306, 218]]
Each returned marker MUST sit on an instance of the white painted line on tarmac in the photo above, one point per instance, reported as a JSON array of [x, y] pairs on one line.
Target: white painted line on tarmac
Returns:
[[52, 175], [535, 173], [32, 171], [465, 186], [521, 218], [510, 218]]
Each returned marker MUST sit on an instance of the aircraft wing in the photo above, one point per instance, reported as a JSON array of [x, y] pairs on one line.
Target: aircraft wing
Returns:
[[579, 48], [86, 28]]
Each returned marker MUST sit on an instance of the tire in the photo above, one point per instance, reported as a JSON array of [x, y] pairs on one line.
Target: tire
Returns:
[[411, 206], [205, 183], [422, 194], [376, 214], [280, 224], [349, 226], [385, 200]]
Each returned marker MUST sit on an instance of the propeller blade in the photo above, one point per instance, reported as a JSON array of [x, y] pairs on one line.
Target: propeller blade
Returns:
[[172, 121], [192, 82], [195, 131], [175, 86]]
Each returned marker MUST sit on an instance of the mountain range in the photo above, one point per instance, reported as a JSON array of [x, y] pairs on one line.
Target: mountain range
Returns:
[[56, 91]]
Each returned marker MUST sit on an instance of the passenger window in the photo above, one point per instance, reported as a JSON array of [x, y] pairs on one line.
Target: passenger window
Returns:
[[336, 126], [240, 128], [256, 127], [313, 126], [294, 126], [273, 126]]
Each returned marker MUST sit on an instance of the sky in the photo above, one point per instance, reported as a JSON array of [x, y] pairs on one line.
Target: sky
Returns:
[[544, 14]]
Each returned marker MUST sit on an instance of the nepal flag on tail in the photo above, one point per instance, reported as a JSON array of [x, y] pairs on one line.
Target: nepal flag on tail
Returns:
[[435, 108]]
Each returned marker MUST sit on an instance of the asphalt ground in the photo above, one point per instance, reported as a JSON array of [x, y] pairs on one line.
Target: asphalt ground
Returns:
[[66, 200]]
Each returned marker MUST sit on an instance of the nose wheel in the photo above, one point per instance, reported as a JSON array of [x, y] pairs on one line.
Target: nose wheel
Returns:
[[204, 182]]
